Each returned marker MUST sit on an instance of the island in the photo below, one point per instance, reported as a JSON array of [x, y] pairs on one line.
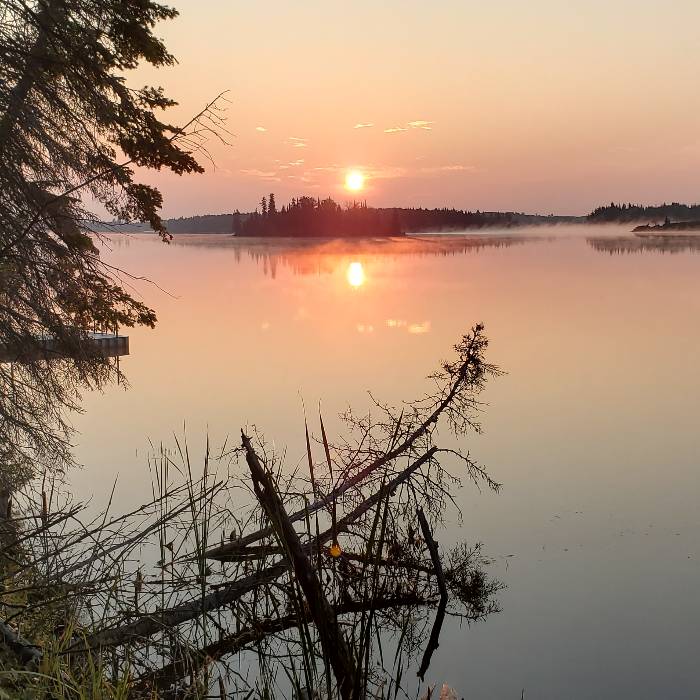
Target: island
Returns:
[[309, 217], [668, 228]]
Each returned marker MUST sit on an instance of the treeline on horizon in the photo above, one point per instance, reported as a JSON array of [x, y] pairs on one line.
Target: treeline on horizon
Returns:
[[203, 223], [627, 213], [309, 217], [313, 217]]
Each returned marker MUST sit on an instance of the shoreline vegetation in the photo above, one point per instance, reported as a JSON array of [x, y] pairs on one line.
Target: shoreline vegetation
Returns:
[[291, 594], [639, 214], [307, 572], [306, 217], [309, 217]]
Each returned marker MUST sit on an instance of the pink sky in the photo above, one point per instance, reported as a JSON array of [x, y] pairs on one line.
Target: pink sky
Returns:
[[539, 106]]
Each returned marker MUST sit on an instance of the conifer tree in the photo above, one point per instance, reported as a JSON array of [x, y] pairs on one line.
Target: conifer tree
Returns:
[[71, 129]]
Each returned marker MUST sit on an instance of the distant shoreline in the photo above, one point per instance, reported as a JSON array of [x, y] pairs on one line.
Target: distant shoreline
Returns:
[[222, 224], [338, 222]]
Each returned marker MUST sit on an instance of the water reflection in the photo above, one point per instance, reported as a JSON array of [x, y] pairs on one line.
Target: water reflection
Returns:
[[325, 256], [355, 274], [589, 405], [620, 245]]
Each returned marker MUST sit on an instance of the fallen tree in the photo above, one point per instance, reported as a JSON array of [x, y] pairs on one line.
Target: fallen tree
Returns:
[[308, 585]]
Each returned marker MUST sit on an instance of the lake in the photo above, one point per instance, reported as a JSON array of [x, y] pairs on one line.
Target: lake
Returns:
[[592, 429]]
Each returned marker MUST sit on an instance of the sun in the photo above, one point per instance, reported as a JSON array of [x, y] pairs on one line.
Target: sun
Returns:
[[354, 181]]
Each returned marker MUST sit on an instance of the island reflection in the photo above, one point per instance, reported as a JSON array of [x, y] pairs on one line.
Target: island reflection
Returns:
[[625, 245], [325, 256]]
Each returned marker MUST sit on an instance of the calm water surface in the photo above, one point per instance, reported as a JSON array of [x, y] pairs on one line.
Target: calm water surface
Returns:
[[593, 430]]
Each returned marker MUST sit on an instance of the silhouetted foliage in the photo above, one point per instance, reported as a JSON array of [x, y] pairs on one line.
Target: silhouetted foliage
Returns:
[[66, 115], [204, 223], [625, 213], [405, 220], [444, 219], [261, 582], [309, 217]]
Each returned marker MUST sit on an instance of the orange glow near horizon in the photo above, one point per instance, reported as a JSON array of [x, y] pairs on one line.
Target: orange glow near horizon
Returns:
[[355, 274], [354, 181]]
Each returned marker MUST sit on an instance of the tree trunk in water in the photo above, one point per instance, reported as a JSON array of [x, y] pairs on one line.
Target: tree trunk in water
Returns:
[[322, 613]]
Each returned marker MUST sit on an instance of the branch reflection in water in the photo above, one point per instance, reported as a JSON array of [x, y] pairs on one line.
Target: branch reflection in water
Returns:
[[227, 583]]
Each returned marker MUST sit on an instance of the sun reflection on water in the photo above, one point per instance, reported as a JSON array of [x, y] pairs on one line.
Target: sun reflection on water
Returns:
[[355, 274]]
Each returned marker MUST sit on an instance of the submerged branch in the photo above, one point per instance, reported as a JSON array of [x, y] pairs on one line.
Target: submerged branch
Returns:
[[468, 372], [332, 641]]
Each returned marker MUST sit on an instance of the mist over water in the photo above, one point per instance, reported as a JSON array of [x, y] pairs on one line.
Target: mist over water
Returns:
[[592, 430]]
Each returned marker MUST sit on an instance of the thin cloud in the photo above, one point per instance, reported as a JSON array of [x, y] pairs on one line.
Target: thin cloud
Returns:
[[419, 328], [363, 125], [421, 124], [292, 164], [388, 173], [369, 171], [261, 129], [262, 174], [416, 124], [448, 169], [297, 142], [413, 328], [376, 172], [391, 173]]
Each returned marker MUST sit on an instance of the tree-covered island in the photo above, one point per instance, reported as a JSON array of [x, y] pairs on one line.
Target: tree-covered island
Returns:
[[315, 218], [309, 217]]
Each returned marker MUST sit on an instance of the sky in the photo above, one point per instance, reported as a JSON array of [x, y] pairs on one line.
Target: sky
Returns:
[[541, 106]]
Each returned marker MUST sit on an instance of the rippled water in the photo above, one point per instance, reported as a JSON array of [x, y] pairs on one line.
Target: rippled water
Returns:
[[593, 430]]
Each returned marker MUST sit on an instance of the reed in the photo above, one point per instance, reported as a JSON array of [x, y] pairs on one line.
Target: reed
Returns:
[[244, 576]]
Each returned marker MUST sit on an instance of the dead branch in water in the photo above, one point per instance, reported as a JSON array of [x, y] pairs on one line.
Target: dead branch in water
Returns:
[[154, 622], [321, 613], [466, 378], [160, 600]]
